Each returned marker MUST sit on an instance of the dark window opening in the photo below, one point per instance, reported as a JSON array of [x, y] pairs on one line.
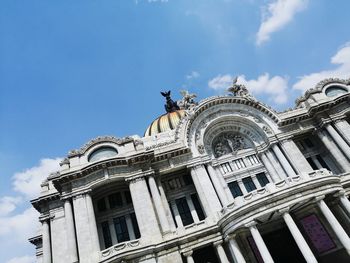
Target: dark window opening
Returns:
[[184, 211], [312, 163], [135, 225], [101, 205], [188, 179], [249, 184], [128, 197], [235, 189], [262, 179], [106, 234], [322, 162], [121, 229], [115, 200], [308, 143], [197, 206]]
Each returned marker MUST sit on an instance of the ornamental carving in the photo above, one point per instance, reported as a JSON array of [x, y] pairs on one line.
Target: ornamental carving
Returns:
[[227, 143]]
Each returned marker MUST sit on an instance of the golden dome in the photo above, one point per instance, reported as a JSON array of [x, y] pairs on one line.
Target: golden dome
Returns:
[[166, 122]]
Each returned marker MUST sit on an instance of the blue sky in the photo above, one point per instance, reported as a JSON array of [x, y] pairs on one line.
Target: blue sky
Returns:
[[74, 70]]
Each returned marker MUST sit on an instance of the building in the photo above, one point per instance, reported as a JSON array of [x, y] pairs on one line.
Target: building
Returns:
[[227, 179]]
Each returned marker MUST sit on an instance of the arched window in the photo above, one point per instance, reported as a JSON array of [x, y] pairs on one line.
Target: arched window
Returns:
[[335, 90], [102, 153]]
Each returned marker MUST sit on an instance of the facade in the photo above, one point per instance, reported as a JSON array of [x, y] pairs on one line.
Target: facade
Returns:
[[227, 179]]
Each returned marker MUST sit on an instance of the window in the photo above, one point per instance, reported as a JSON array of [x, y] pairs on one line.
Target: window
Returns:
[[335, 90], [262, 179], [308, 143], [115, 200], [312, 163], [184, 211], [197, 206], [106, 234], [235, 189], [128, 197], [121, 229], [102, 153], [322, 162], [188, 179], [135, 225], [249, 184], [101, 205]]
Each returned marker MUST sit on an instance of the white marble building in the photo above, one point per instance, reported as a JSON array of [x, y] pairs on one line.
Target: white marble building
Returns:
[[225, 180]]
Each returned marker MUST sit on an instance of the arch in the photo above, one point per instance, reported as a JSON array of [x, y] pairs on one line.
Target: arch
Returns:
[[102, 153]]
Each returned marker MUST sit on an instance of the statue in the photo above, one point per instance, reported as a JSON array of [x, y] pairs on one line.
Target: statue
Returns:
[[170, 105], [187, 100], [240, 90]]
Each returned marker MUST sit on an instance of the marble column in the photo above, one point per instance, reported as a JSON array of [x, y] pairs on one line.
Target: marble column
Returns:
[[93, 226], [270, 169], [176, 214], [334, 150], [283, 160], [46, 241], [345, 203], [192, 209], [264, 252], [338, 140], [71, 240], [343, 128], [221, 252], [337, 228], [296, 157], [144, 211], [158, 204], [236, 252], [299, 239], [188, 255], [217, 185], [166, 205], [276, 164], [205, 190]]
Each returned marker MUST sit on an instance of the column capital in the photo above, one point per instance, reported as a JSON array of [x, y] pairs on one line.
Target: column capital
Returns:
[[251, 224], [283, 210], [340, 193], [230, 236], [46, 218], [217, 243], [319, 198], [188, 253], [140, 175]]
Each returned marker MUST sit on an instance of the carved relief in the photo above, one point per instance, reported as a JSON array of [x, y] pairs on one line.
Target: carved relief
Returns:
[[228, 142]]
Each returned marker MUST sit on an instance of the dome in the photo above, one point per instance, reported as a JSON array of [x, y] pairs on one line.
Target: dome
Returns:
[[166, 122]]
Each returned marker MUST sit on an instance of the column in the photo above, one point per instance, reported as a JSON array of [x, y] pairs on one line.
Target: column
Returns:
[[299, 239], [218, 186], [296, 157], [205, 190], [242, 187], [236, 252], [338, 139], [283, 160], [158, 204], [269, 167], [317, 163], [93, 227], [72, 243], [46, 241], [176, 214], [221, 252], [166, 205], [264, 252], [343, 128], [192, 209], [276, 164], [333, 149], [188, 255], [129, 226], [145, 215], [337, 228], [345, 203], [256, 182]]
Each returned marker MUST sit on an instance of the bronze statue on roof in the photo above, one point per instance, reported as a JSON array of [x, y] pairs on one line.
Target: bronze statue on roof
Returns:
[[170, 105]]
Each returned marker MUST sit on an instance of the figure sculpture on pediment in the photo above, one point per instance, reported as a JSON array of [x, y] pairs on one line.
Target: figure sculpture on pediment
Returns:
[[228, 143], [187, 100]]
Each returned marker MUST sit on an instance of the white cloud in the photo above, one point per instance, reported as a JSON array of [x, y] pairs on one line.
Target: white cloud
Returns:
[[20, 226], [276, 15], [23, 259], [276, 87], [28, 182], [342, 70], [8, 204], [193, 75]]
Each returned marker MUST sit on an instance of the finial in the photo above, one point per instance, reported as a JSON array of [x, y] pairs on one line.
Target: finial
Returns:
[[170, 105]]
